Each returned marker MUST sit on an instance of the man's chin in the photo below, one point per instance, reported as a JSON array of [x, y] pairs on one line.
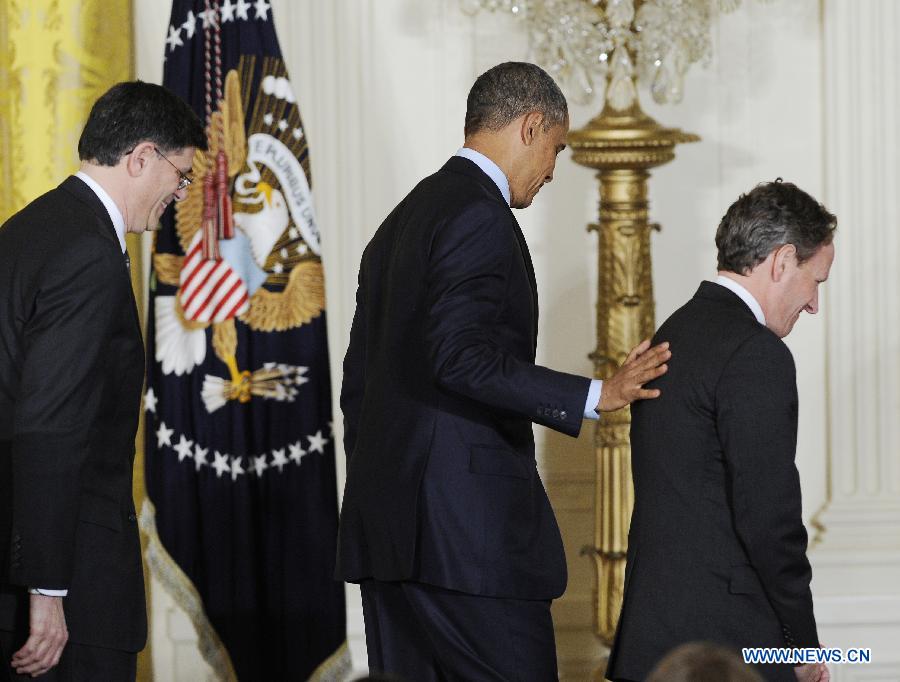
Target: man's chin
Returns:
[[525, 203]]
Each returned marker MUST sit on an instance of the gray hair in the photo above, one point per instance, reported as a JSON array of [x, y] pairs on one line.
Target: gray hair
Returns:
[[770, 215], [503, 93]]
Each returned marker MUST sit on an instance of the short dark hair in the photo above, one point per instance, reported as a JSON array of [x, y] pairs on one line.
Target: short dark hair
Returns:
[[702, 662], [770, 215], [133, 112], [503, 93]]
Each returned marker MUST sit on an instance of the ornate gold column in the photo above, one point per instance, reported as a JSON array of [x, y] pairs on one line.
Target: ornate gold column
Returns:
[[622, 146]]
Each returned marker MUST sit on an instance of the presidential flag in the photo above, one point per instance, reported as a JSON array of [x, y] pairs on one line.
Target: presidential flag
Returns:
[[240, 469]]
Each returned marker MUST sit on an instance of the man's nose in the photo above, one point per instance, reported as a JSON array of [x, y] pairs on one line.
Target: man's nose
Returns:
[[813, 306]]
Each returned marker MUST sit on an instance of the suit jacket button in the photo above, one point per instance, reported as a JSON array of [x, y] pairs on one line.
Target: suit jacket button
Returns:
[[555, 414], [563, 415]]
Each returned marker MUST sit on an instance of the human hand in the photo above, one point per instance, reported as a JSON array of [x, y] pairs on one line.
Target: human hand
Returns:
[[812, 672], [47, 636], [626, 385]]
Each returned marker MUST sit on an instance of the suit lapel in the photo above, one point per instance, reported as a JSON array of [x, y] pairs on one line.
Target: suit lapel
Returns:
[[532, 281]]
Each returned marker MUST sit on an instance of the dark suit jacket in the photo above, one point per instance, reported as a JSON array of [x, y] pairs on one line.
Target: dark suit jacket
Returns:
[[717, 548], [439, 392], [71, 371]]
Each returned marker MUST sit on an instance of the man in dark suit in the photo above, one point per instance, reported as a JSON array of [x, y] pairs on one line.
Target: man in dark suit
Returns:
[[445, 522], [717, 547], [71, 370]]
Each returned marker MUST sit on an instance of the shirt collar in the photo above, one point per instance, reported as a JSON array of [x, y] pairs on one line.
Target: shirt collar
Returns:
[[744, 295], [114, 213], [491, 169]]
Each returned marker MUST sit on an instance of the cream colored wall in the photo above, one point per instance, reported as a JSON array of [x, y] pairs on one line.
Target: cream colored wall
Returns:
[[382, 89]]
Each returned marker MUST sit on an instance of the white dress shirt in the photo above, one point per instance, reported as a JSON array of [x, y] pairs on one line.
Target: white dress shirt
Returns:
[[744, 295], [114, 213]]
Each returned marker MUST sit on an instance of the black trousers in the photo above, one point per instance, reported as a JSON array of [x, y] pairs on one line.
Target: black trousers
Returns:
[[422, 633], [78, 663]]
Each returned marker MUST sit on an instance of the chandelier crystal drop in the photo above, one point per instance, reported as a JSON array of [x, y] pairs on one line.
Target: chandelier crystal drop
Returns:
[[606, 47]]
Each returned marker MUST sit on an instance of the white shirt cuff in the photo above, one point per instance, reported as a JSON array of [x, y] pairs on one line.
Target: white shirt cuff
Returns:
[[48, 593], [593, 399]]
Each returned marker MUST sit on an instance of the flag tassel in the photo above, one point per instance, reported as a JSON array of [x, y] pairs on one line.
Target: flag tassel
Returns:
[[210, 236], [225, 218]]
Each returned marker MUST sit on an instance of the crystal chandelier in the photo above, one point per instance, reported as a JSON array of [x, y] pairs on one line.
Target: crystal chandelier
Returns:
[[608, 46]]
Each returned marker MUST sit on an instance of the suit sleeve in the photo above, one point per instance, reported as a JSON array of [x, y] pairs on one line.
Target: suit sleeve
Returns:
[[64, 337], [353, 383], [757, 424], [468, 289]]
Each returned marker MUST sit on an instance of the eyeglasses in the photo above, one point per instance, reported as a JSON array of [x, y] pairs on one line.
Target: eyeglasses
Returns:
[[184, 181]]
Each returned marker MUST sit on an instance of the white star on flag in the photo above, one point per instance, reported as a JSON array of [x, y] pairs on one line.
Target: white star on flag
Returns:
[[190, 26], [297, 452], [282, 125], [150, 401], [278, 459], [174, 39], [262, 9], [236, 468], [200, 453], [227, 10], [259, 464], [241, 9], [297, 133], [268, 118], [164, 435], [221, 464], [200, 457], [208, 16], [184, 448], [317, 442]]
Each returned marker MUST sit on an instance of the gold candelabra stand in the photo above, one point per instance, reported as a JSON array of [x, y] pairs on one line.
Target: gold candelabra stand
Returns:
[[622, 146]]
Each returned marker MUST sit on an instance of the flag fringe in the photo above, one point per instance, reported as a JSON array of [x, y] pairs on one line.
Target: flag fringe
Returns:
[[335, 668], [182, 590]]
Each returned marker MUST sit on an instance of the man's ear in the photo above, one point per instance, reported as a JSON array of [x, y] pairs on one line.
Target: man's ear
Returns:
[[137, 161], [784, 255], [531, 123]]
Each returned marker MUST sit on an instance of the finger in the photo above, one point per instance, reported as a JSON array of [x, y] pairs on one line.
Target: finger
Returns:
[[652, 373], [647, 393], [637, 350], [657, 353], [651, 358], [39, 665], [39, 652]]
